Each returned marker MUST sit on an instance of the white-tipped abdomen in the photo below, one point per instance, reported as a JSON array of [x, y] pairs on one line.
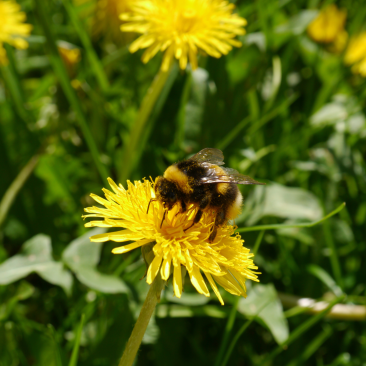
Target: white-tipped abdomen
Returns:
[[235, 209]]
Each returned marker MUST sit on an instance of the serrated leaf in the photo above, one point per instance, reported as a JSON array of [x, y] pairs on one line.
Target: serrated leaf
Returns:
[[263, 303]]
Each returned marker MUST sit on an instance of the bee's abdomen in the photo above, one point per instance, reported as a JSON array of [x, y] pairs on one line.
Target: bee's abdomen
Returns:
[[234, 208], [230, 201]]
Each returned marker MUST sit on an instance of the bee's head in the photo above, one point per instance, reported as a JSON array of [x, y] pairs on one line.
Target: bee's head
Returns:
[[166, 192]]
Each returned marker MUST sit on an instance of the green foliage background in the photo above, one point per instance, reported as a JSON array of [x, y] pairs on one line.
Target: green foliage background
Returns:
[[283, 110]]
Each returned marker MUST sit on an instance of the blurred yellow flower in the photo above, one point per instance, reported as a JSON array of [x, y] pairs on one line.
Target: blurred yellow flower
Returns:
[[327, 26], [182, 27], [339, 43], [69, 53], [12, 27], [225, 261], [107, 18], [356, 54], [356, 49]]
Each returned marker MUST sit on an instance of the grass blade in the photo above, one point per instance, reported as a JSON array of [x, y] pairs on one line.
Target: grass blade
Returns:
[[313, 346], [239, 334], [64, 80], [75, 351], [300, 330], [232, 316], [13, 84], [85, 40], [265, 119]]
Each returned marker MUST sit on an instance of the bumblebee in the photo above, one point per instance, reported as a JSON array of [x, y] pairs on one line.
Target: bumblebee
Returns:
[[204, 182]]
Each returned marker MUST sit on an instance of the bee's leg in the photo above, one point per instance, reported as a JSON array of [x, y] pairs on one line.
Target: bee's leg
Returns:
[[196, 219], [183, 208], [219, 220], [151, 200], [163, 219], [203, 204], [212, 236]]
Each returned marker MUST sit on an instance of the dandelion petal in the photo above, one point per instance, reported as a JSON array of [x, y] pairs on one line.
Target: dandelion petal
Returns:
[[177, 281], [198, 281], [153, 269]]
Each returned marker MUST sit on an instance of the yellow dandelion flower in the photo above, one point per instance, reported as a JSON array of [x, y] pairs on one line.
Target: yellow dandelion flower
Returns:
[[12, 27], [327, 25], [225, 261], [182, 27]]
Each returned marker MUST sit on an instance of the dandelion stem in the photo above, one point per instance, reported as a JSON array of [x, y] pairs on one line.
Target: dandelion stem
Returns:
[[140, 124], [139, 329], [289, 226]]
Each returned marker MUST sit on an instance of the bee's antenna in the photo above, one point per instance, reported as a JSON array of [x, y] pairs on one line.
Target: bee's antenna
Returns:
[[151, 200], [163, 219]]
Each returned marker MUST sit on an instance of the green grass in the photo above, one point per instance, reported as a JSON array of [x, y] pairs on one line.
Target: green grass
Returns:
[[284, 111]]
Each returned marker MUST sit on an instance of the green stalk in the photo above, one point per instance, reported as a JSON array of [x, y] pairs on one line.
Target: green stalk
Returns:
[[13, 84], [179, 134], [140, 124], [265, 119], [290, 226], [133, 344], [64, 80], [87, 44], [334, 261], [15, 187], [155, 113], [227, 332]]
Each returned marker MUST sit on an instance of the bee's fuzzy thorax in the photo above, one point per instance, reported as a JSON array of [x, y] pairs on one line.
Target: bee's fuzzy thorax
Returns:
[[174, 174]]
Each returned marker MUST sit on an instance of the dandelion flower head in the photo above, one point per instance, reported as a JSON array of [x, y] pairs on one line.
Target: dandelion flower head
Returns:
[[328, 25], [225, 261], [180, 28], [12, 28]]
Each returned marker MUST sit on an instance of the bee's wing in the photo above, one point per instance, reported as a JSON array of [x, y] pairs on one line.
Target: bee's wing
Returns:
[[210, 156], [230, 176]]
